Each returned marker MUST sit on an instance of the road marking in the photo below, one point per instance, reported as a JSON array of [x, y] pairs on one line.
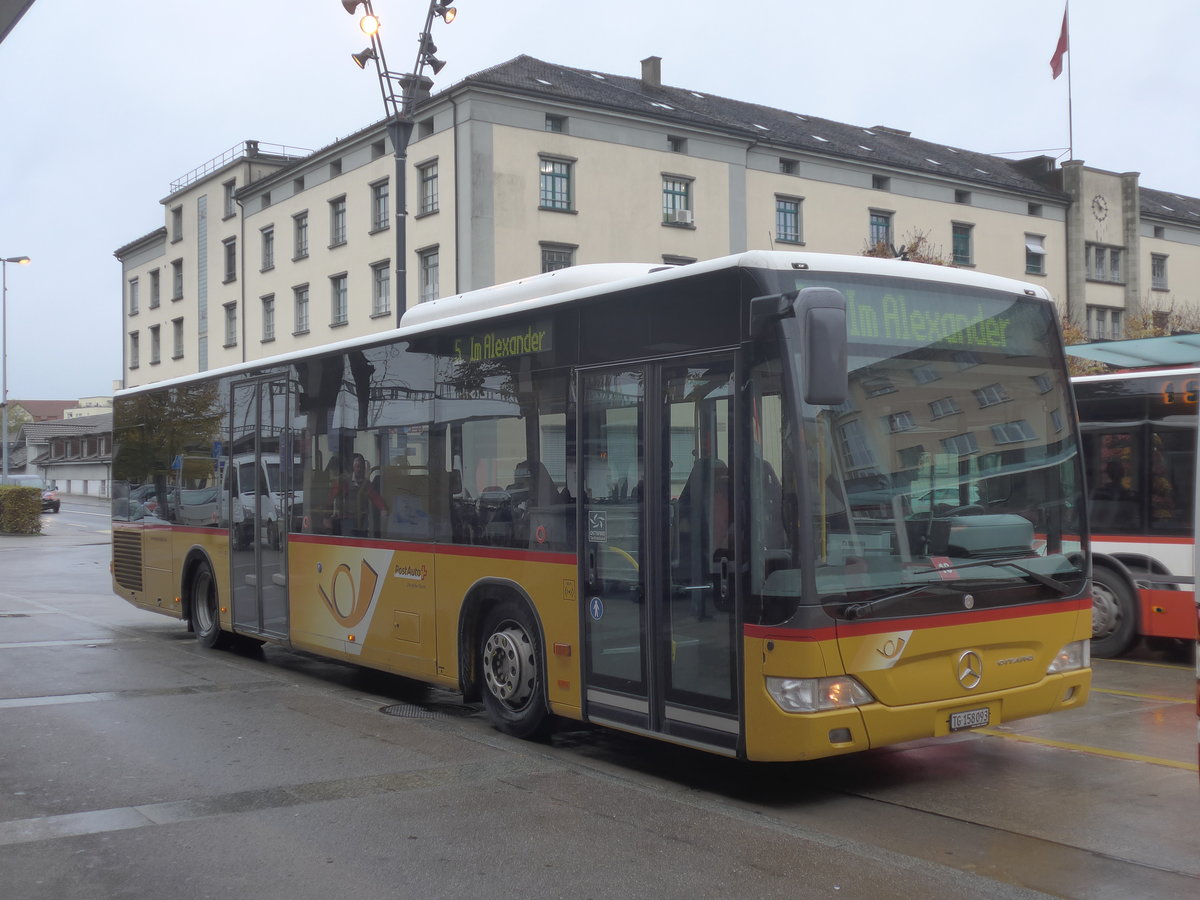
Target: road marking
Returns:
[[1140, 662], [1163, 697], [16, 645], [1093, 751]]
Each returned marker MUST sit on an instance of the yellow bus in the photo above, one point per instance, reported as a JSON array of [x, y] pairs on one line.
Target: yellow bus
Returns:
[[776, 506]]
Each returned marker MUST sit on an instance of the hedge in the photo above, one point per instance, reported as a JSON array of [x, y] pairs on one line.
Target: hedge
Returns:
[[20, 509]]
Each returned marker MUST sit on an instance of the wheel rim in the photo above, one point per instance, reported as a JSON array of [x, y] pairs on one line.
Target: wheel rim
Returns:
[[1106, 611], [509, 668], [202, 598]]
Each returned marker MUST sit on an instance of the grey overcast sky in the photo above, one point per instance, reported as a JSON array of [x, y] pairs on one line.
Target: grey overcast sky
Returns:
[[105, 102]]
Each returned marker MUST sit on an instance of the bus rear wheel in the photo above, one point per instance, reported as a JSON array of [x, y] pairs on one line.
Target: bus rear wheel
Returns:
[[205, 616], [1114, 613], [510, 664]]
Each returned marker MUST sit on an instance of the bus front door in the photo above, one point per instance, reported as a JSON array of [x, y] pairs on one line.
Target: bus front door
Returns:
[[656, 550], [258, 511]]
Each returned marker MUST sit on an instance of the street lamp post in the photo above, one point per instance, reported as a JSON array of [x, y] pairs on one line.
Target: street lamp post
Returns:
[[4, 261], [401, 92]]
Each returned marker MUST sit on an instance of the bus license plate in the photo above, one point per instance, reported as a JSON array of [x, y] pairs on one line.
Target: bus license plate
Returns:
[[971, 718]]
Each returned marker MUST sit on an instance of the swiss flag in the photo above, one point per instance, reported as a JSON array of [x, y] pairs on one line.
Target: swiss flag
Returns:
[[1064, 44]]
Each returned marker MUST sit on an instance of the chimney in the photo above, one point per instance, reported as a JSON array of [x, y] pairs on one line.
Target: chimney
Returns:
[[652, 71]]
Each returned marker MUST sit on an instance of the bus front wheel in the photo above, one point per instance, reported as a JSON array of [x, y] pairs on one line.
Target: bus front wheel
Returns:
[[1114, 613], [206, 621], [510, 664]]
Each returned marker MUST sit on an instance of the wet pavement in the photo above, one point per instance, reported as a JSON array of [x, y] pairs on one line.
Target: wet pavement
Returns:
[[135, 764]]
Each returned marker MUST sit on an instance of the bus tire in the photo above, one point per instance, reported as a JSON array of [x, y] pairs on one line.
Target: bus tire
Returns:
[[205, 614], [1114, 613], [512, 671]]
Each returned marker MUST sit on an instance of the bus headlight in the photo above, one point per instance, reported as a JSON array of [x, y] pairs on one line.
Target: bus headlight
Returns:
[[817, 694], [1076, 655]]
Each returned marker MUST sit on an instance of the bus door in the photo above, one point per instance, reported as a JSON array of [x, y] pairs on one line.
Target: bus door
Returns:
[[657, 550], [258, 511]]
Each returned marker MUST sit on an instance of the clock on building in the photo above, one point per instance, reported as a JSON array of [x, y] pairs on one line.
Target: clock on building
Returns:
[[1099, 208]]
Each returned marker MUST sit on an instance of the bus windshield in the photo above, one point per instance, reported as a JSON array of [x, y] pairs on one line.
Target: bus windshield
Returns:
[[950, 468]]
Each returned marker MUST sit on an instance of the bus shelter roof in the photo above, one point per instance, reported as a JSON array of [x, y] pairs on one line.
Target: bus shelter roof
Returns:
[[1170, 350]]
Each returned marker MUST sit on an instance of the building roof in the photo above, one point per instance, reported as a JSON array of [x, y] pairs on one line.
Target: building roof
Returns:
[[45, 410], [40, 432], [1169, 205], [882, 145]]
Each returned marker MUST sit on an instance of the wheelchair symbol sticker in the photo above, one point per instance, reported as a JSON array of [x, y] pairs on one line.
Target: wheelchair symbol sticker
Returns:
[[596, 608]]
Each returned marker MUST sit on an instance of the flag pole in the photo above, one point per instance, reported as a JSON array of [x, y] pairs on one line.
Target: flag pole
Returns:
[[1070, 110]]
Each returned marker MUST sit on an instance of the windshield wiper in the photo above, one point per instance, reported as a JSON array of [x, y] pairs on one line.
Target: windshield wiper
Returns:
[[1046, 580], [860, 609]]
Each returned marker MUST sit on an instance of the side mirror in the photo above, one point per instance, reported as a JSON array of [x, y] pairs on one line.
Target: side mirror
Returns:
[[822, 318]]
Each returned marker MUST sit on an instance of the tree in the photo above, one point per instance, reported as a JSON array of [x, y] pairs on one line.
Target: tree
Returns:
[[916, 247], [1076, 365]]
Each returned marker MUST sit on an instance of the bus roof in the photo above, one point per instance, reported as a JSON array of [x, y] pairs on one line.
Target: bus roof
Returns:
[[581, 282]]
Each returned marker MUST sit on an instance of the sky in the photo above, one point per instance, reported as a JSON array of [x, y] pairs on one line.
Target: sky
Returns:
[[106, 103]]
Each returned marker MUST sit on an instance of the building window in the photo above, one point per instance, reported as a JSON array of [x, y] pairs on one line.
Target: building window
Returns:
[[555, 184], [901, 421], [1035, 209], [991, 394], [1104, 323], [911, 457], [230, 207], [961, 444], [155, 288], [557, 256], [377, 149], [380, 215], [557, 124], [177, 338], [1103, 263], [268, 248], [1043, 383], [961, 237], [300, 307], [1035, 254], [300, 233], [381, 288], [231, 324], [881, 182], [177, 280], [133, 296], [676, 144], [428, 174], [962, 197], [856, 452], [925, 374], [134, 350], [1158, 272], [942, 407], [335, 168], [1160, 232], [427, 274], [881, 229], [1013, 432], [176, 224], [677, 200], [425, 128], [268, 318], [230, 254], [155, 346], [789, 166], [297, 184], [339, 299], [337, 221], [787, 220]]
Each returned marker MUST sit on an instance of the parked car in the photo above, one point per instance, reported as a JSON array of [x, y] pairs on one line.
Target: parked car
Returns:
[[50, 500]]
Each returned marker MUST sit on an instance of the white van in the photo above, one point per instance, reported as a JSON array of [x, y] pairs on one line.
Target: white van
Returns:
[[259, 519]]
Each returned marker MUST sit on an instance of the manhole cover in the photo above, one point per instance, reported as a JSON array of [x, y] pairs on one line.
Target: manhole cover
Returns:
[[408, 711]]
